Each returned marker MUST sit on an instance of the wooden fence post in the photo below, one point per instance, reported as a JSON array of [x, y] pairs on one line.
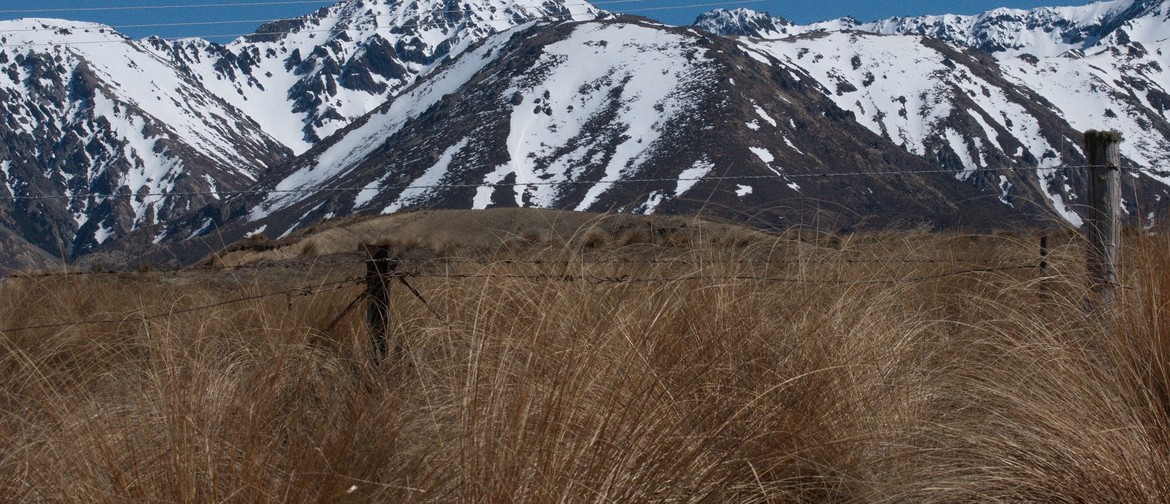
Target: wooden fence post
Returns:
[[379, 266], [1103, 192]]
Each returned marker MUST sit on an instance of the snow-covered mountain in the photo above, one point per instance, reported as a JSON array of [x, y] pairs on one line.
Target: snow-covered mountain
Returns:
[[747, 23], [1099, 66], [1041, 32], [100, 137], [946, 120], [303, 79], [1047, 31], [627, 114]]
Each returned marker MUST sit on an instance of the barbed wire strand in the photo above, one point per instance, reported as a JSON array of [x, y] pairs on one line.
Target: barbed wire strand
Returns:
[[594, 279], [332, 263], [305, 291]]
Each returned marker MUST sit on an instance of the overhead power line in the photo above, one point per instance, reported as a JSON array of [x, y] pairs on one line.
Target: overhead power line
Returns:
[[636, 180], [160, 7], [378, 16], [304, 18], [249, 34], [229, 4], [691, 6], [544, 16]]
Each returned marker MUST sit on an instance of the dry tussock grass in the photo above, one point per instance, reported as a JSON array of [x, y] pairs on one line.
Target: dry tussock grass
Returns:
[[706, 378]]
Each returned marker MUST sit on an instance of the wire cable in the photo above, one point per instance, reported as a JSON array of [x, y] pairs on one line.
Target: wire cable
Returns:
[[593, 279], [219, 5], [634, 180], [420, 24], [304, 291], [162, 7]]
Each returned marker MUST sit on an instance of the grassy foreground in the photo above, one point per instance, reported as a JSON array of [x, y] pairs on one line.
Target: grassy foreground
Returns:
[[887, 368]]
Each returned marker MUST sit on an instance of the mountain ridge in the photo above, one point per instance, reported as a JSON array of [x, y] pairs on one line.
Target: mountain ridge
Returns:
[[364, 107], [548, 134], [101, 138], [1042, 32], [371, 49]]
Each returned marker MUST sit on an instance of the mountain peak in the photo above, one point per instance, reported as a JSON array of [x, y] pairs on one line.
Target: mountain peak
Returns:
[[433, 17], [335, 64], [1043, 31], [743, 22]]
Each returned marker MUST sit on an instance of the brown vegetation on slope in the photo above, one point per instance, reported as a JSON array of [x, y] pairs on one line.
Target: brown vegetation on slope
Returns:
[[892, 367]]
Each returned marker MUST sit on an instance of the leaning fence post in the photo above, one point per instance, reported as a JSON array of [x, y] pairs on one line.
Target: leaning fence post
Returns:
[[1103, 192], [379, 266]]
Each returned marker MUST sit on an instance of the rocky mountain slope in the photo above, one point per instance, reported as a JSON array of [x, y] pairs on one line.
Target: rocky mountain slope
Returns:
[[100, 137], [663, 121], [1099, 66], [1041, 32], [940, 121], [630, 115], [104, 136], [303, 79]]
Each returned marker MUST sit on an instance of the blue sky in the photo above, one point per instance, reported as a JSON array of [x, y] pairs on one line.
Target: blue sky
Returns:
[[228, 18]]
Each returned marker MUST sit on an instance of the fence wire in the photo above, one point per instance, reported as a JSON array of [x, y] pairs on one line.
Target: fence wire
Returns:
[[299, 291], [594, 279], [447, 261]]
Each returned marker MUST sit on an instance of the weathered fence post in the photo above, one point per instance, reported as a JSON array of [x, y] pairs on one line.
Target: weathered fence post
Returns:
[[1103, 192], [379, 266]]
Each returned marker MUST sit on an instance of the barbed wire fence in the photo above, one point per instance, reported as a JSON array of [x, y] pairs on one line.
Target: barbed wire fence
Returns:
[[382, 265], [384, 268]]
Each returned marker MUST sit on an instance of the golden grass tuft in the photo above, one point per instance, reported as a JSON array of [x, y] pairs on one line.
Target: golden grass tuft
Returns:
[[874, 368]]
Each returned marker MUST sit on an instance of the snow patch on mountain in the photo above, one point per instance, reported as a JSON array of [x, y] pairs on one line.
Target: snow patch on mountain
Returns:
[[958, 141], [686, 180], [304, 79], [555, 111], [113, 132], [1005, 191], [764, 115], [763, 154], [901, 88], [1057, 200], [1125, 91], [430, 182], [129, 73], [366, 136], [151, 177], [5, 165], [691, 176], [1042, 32]]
